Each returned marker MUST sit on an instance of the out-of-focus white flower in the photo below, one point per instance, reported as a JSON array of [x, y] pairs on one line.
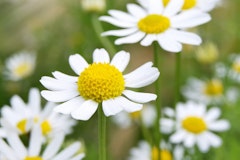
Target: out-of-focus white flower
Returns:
[[20, 117], [208, 92], [20, 65], [193, 125], [14, 148], [101, 82], [147, 115], [203, 5], [166, 25], [93, 5], [145, 152]]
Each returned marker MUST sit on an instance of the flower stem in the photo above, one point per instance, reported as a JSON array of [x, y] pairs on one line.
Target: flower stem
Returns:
[[158, 100], [102, 123], [98, 29], [177, 77]]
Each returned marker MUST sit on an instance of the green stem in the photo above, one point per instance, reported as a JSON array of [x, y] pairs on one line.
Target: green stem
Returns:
[[158, 100], [99, 30], [102, 123], [177, 77]]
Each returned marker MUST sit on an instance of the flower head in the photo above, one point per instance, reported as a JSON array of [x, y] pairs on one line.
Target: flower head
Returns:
[[15, 149], [21, 117], [20, 65], [155, 22], [93, 5], [193, 124], [101, 82]]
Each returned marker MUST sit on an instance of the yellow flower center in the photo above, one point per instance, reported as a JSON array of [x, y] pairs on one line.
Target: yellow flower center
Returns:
[[135, 115], [188, 4], [23, 70], [213, 88], [100, 81], [154, 24], [236, 67], [33, 158], [194, 124], [164, 154], [46, 127], [21, 125]]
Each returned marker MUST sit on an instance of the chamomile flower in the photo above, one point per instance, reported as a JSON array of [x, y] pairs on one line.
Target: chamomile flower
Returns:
[[156, 23], [147, 115], [20, 65], [93, 5], [203, 5], [208, 92], [101, 82], [14, 149], [192, 124], [145, 152], [234, 69], [20, 117]]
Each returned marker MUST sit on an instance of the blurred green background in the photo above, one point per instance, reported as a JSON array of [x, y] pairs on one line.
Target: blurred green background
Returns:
[[56, 29]]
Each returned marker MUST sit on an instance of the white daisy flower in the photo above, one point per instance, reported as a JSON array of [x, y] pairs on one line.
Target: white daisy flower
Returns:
[[20, 65], [193, 124], [99, 82], [147, 115], [20, 117], [208, 92], [14, 148], [145, 152], [156, 23], [93, 5], [234, 69]]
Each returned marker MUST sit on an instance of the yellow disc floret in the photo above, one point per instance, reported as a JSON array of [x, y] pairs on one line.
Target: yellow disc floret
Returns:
[[214, 88], [46, 127], [23, 70], [33, 158], [194, 124], [236, 66], [100, 81], [21, 125], [164, 154], [188, 4], [165, 2], [154, 24]]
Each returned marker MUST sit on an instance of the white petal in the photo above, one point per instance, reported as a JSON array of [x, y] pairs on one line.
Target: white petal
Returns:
[[116, 22], [121, 60], [53, 146], [148, 39], [78, 157], [139, 97], [77, 63], [34, 100], [136, 11], [68, 152], [69, 106], [169, 44], [173, 7], [142, 76], [135, 37], [16, 144], [35, 142], [127, 105], [189, 19], [212, 114], [101, 56], [203, 142], [120, 32], [17, 104], [189, 141], [122, 16], [155, 6], [166, 125], [59, 96], [213, 139], [7, 151], [110, 107], [185, 37], [65, 77], [178, 137], [85, 111], [219, 126]]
